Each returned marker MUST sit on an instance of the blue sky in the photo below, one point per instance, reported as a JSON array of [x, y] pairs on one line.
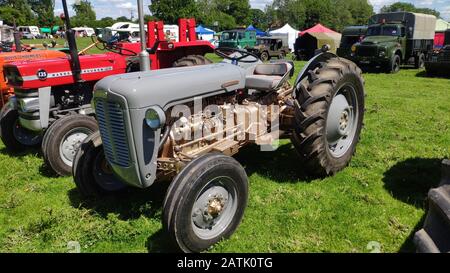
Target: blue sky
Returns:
[[116, 8]]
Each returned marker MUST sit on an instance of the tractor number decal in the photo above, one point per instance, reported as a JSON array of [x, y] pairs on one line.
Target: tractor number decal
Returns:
[[42, 74]]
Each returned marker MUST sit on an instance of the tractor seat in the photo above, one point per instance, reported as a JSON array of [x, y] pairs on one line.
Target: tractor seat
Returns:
[[268, 77]]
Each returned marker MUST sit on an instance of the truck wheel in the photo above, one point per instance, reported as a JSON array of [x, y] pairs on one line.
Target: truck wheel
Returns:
[[62, 140], [394, 66], [329, 116], [15, 137], [419, 61], [282, 56], [192, 60], [91, 172], [264, 56], [205, 202]]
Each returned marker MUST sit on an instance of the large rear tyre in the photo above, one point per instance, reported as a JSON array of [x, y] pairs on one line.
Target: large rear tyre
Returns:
[[192, 60], [62, 140], [14, 136], [329, 116], [91, 172], [205, 202]]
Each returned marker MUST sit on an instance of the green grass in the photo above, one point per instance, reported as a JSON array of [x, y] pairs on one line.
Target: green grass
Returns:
[[380, 197]]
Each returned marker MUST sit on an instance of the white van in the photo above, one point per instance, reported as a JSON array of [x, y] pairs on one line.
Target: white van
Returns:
[[29, 32], [84, 31]]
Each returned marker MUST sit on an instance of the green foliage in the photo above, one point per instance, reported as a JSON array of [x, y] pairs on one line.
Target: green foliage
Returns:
[[303, 14], [85, 14], [171, 10], [44, 9], [16, 12], [402, 6]]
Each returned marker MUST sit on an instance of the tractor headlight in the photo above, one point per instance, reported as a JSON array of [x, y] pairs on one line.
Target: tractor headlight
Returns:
[[155, 118], [382, 54]]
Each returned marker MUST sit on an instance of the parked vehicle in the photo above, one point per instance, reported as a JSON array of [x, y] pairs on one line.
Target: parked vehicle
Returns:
[[350, 36], [238, 38], [167, 136], [438, 61], [268, 47], [29, 32], [84, 31], [435, 235], [394, 39], [52, 107]]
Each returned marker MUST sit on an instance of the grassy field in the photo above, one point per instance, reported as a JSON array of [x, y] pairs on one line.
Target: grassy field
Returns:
[[380, 198]]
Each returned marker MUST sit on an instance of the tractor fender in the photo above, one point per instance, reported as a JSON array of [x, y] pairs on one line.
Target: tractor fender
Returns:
[[9, 106], [320, 58]]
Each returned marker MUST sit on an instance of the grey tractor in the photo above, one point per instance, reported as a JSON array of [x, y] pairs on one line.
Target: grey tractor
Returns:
[[183, 125]]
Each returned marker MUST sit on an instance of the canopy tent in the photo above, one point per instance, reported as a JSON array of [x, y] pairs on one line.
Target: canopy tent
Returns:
[[442, 25], [258, 31], [314, 38], [290, 31], [204, 33]]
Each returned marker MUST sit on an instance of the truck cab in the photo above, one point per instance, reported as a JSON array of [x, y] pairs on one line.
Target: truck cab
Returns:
[[239, 38], [393, 39], [350, 36]]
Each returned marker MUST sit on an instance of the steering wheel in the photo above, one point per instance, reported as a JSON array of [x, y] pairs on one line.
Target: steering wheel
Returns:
[[221, 52]]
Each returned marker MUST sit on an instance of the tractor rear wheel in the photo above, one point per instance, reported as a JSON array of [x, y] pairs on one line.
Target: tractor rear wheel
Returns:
[[192, 60], [91, 172], [62, 140], [14, 136], [205, 202], [329, 116]]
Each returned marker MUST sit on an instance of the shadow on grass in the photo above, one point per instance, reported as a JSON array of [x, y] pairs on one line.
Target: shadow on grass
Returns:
[[409, 181], [131, 204], [281, 166], [408, 245], [424, 74], [26, 152]]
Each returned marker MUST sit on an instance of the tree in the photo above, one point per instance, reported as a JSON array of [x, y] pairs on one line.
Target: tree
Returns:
[[44, 9], [402, 6], [85, 14], [16, 11], [171, 10], [238, 9], [259, 19]]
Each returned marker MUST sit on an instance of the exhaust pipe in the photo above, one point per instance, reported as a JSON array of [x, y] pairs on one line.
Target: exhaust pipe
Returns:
[[70, 34], [144, 56], [17, 41]]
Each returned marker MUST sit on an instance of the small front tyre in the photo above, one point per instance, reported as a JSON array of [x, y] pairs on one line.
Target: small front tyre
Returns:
[[91, 172], [205, 202], [62, 140]]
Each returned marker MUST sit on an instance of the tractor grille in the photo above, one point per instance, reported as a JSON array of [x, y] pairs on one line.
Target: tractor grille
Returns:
[[112, 129], [366, 51]]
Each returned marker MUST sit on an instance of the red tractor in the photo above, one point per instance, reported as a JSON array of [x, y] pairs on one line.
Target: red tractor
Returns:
[[51, 106]]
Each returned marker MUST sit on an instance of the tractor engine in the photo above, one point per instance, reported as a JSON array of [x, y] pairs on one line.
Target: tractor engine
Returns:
[[226, 124]]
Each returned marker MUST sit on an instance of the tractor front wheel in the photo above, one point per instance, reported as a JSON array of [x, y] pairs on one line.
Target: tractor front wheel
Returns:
[[329, 116], [14, 136], [192, 60], [205, 202], [62, 140], [91, 172]]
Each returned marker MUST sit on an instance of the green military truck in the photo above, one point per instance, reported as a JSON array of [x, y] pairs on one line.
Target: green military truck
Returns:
[[350, 36], [270, 47], [394, 39], [438, 62], [237, 38]]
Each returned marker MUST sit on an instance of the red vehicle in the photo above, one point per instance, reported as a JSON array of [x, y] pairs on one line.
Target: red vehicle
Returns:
[[51, 106]]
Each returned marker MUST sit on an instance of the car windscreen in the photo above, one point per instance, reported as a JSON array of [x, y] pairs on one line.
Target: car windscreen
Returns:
[[383, 31], [229, 36]]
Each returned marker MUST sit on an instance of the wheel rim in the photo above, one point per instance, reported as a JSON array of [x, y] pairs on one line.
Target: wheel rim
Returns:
[[342, 121], [104, 176], [26, 137], [70, 144], [214, 208], [396, 65]]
